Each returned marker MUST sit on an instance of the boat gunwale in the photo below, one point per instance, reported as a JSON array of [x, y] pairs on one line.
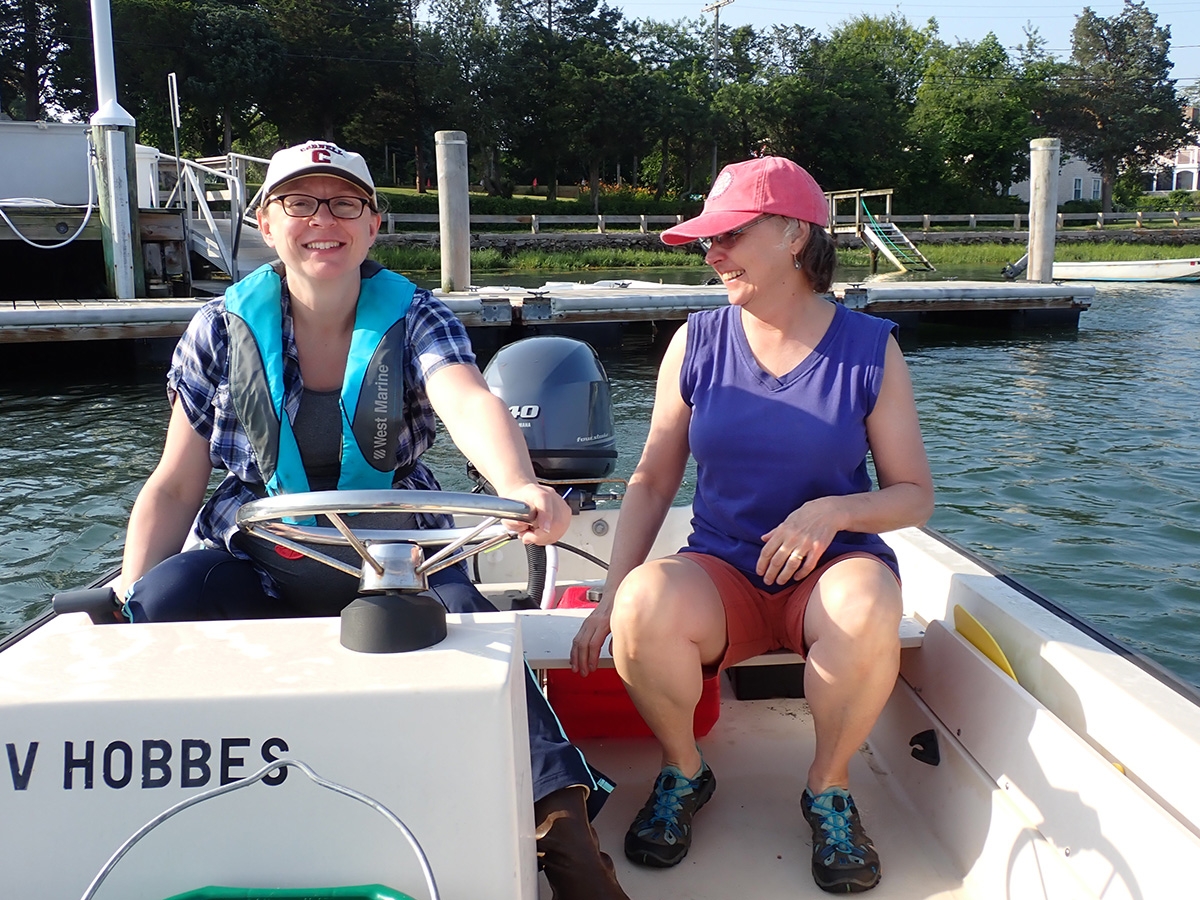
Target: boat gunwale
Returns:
[[34, 624], [1186, 689]]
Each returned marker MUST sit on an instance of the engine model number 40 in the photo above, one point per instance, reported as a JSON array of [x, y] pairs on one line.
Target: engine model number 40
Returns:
[[529, 411]]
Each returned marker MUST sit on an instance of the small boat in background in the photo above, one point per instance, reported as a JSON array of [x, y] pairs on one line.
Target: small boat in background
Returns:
[[1117, 270], [1129, 270]]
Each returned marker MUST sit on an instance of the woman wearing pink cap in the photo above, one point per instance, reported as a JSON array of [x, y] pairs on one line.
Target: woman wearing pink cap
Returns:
[[779, 396]]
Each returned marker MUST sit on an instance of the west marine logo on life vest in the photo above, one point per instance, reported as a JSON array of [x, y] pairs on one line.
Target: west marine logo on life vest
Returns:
[[372, 400]]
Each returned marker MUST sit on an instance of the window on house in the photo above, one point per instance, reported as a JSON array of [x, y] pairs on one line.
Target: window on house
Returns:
[[1095, 188], [1077, 194]]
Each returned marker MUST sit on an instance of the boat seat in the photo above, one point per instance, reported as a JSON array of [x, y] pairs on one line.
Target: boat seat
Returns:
[[547, 634]]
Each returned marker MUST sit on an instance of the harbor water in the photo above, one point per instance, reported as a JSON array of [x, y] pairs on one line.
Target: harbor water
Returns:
[[1067, 459]]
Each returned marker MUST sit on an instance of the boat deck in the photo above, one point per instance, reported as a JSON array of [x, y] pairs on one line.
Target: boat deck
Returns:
[[750, 839]]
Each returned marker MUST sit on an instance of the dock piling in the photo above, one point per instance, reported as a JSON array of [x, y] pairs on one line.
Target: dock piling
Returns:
[[454, 209], [113, 131], [1043, 208]]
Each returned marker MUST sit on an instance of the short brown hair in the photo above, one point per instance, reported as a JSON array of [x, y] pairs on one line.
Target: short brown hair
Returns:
[[817, 259]]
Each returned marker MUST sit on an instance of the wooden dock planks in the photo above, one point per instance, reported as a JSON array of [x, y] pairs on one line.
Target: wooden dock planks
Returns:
[[30, 321]]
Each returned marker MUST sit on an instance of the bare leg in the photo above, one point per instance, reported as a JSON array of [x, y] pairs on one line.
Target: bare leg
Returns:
[[852, 629], [667, 622]]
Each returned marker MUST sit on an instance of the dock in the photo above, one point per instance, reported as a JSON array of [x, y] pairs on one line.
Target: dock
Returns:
[[965, 303]]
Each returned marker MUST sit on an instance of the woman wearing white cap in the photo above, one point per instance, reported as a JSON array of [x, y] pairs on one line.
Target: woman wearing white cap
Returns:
[[779, 396], [258, 386]]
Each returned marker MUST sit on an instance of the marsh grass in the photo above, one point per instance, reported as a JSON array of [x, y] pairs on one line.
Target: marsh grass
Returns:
[[602, 259], [948, 255], [425, 259]]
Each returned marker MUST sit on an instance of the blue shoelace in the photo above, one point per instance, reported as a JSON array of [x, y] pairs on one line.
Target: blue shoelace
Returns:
[[669, 801], [835, 823]]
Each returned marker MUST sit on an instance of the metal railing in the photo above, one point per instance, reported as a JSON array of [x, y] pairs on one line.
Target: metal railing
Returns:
[[201, 221]]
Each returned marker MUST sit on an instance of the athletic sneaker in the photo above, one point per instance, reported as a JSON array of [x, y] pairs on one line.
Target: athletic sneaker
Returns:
[[662, 832], [844, 859]]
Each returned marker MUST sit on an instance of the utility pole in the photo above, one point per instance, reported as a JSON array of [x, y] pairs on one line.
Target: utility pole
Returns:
[[715, 9]]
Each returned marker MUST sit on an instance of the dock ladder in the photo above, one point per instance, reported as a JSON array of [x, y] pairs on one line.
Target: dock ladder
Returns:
[[888, 239]]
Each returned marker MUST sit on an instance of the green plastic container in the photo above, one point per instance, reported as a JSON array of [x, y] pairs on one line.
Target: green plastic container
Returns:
[[354, 892]]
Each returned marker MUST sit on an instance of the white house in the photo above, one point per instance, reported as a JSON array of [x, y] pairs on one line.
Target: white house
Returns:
[[1076, 181], [1179, 172]]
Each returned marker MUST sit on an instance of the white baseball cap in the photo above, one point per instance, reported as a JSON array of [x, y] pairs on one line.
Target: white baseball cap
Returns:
[[317, 158]]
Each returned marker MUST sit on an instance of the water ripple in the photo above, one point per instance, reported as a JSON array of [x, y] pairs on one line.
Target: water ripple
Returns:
[[1066, 459]]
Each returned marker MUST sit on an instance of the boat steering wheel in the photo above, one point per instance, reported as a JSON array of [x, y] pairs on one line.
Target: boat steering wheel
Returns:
[[393, 560], [393, 612]]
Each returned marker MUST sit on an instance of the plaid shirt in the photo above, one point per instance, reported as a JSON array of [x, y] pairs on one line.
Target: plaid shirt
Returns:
[[199, 380]]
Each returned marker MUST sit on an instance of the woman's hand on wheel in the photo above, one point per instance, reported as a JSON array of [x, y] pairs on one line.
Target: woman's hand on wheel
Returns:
[[552, 516]]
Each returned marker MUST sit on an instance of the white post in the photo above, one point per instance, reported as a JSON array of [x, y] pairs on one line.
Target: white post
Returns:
[[454, 209], [1043, 208], [112, 127]]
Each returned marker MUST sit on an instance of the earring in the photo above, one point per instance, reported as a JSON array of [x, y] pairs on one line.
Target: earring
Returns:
[[796, 263]]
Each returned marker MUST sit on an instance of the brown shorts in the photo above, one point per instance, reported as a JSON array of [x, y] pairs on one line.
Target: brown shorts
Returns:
[[757, 621]]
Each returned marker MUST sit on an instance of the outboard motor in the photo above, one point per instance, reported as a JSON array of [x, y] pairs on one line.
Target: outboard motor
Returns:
[[558, 393]]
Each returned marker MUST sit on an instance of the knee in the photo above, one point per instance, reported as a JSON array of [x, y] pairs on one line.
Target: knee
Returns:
[[865, 608], [646, 606], [199, 585]]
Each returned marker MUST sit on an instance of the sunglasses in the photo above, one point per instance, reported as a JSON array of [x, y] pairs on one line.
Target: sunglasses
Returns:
[[301, 206], [728, 238]]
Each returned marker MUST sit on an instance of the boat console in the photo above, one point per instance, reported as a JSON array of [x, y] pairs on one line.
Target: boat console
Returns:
[[104, 728]]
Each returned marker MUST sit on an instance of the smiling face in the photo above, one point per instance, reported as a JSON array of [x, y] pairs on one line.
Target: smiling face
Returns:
[[758, 262], [319, 247]]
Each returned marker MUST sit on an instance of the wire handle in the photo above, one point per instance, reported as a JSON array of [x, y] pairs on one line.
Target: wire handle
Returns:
[[246, 782]]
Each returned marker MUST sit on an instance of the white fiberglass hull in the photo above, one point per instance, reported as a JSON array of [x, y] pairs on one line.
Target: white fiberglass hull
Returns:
[[1129, 270], [1025, 800]]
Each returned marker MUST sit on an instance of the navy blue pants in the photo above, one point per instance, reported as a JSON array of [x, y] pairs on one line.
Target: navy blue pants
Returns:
[[214, 584]]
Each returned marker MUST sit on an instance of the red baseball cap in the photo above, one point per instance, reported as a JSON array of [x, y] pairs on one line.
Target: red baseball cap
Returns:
[[746, 190]]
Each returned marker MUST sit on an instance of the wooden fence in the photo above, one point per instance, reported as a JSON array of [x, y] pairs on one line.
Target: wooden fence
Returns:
[[535, 223], [603, 224]]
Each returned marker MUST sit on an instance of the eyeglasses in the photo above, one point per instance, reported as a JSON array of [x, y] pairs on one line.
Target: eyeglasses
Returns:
[[301, 206], [728, 238]]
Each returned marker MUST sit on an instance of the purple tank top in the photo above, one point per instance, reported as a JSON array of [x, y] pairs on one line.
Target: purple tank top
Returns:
[[765, 446]]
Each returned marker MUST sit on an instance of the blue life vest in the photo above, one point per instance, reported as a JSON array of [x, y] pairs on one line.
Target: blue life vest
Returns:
[[372, 400]]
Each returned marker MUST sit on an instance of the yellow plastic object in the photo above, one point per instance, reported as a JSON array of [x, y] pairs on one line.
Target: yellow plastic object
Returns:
[[981, 639]]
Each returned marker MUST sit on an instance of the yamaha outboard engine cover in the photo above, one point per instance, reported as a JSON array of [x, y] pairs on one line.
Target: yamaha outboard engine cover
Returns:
[[557, 390]]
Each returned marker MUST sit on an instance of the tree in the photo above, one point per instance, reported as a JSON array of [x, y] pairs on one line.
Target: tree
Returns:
[[607, 98], [29, 48], [972, 111], [840, 106], [1120, 109], [241, 61], [469, 44], [150, 39], [675, 56], [335, 55]]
